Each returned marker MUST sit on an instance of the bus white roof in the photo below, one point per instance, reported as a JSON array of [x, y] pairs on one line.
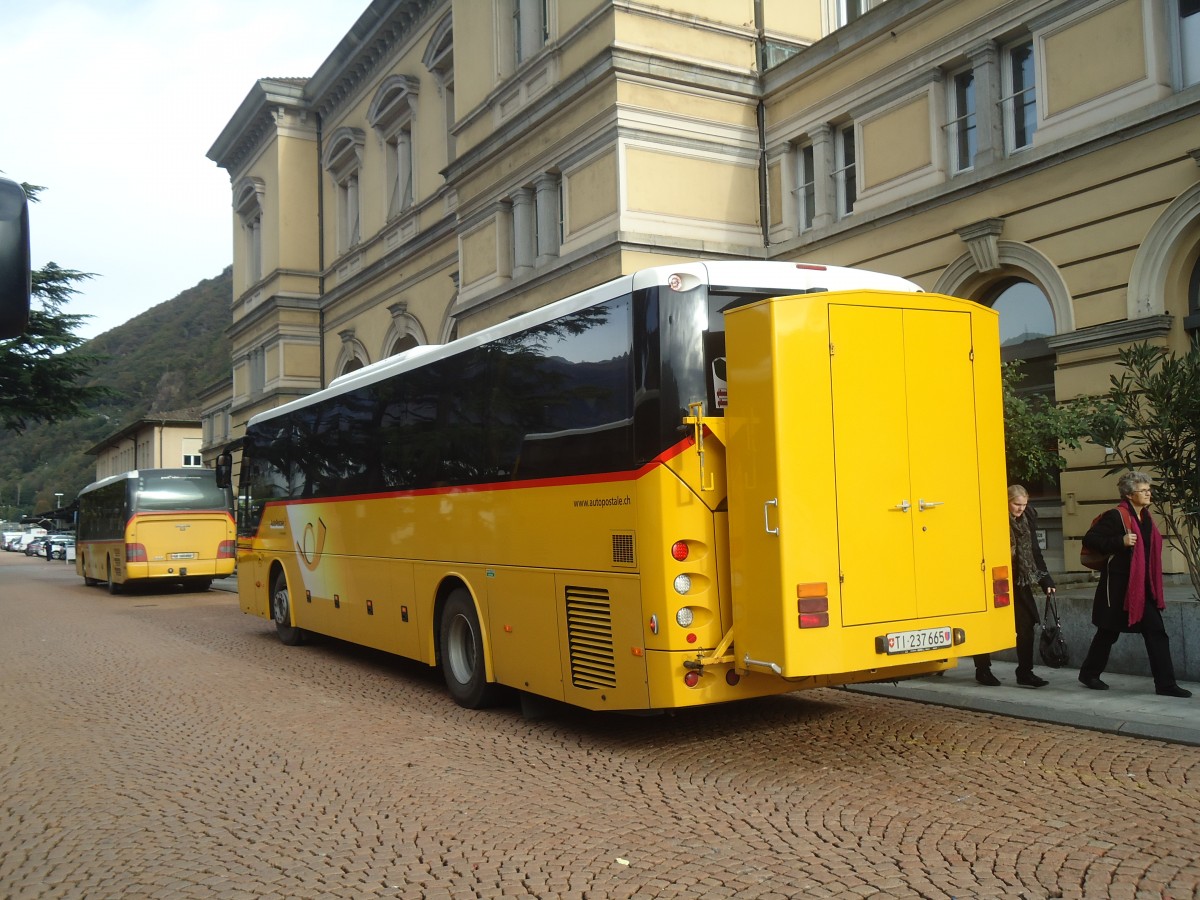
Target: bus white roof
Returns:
[[758, 275], [137, 473]]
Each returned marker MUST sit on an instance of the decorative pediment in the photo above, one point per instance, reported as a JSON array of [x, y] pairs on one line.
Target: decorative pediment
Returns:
[[394, 103], [983, 241], [343, 154]]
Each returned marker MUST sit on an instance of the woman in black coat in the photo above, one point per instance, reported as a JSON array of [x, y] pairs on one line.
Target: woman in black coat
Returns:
[[1028, 571], [1129, 597]]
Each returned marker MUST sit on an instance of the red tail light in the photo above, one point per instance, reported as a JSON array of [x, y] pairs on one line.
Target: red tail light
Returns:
[[227, 550], [135, 553], [813, 605], [1001, 593]]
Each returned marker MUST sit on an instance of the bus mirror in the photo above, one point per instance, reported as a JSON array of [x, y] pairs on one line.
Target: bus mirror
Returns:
[[224, 470], [14, 259]]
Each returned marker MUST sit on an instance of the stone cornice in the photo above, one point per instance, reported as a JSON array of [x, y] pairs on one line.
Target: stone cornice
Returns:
[[255, 119], [1111, 334], [368, 46]]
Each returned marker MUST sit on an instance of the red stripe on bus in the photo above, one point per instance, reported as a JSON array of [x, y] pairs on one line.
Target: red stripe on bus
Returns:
[[562, 481]]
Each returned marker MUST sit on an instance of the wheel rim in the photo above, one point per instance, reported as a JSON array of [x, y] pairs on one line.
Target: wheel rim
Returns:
[[460, 650], [279, 607]]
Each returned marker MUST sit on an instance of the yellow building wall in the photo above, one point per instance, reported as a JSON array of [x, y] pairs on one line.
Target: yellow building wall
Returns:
[[294, 190], [672, 185], [834, 85], [797, 21], [897, 142], [1094, 56], [688, 102], [686, 39], [592, 193]]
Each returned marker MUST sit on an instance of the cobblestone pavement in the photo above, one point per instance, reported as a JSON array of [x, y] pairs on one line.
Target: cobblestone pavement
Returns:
[[166, 746]]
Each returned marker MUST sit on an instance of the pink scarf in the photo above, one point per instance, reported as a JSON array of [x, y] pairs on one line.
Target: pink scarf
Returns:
[[1135, 593]]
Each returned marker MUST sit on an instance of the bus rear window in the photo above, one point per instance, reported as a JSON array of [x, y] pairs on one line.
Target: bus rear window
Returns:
[[171, 492], [714, 344]]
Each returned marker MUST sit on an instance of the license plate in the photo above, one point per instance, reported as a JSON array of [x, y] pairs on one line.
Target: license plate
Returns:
[[183, 556], [916, 641]]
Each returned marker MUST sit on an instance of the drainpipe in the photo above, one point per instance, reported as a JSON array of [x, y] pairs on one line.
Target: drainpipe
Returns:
[[320, 251], [760, 54]]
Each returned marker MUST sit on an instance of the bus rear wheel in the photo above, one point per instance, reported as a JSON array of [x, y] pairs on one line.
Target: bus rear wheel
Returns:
[[113, 587], [281, 612], [461, 644]]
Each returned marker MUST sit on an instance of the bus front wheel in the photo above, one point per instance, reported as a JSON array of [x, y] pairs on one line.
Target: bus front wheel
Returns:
[[281, 612], [461, 645]]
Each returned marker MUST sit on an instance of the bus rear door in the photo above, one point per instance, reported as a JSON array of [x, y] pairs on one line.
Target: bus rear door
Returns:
[[866, 482]]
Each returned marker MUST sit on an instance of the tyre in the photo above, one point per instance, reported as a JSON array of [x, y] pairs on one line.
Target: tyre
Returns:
[[460, 643], [281, 612], [88, 579], [113, 587]]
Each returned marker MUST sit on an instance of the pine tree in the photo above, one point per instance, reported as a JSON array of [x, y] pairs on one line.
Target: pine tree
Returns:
[[40, 373]]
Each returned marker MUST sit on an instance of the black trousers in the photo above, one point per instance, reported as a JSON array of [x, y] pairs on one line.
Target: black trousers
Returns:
[[1025, 616], [1158, 648]]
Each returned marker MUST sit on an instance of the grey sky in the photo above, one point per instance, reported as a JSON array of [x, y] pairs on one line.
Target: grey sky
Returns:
[[111, 105]]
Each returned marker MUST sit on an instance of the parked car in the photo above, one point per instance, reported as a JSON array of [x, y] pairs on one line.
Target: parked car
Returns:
[[58, 545], [27, 538]]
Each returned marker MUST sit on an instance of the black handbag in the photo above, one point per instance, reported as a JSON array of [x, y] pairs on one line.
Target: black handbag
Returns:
[[1052, 644]]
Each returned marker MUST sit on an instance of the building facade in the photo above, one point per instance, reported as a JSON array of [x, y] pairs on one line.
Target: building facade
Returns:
[[171, 440], [454, 163]]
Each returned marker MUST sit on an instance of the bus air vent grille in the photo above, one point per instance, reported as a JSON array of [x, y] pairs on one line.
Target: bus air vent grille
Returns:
[[622, 549], [590, 636]]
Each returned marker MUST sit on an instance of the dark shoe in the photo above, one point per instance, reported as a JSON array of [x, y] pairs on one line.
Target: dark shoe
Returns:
[[1031, 680], [986, 678], [1173, 691], [1094, 683]]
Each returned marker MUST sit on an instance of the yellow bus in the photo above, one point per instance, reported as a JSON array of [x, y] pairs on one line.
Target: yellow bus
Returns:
[[690, 485], [155, 526]]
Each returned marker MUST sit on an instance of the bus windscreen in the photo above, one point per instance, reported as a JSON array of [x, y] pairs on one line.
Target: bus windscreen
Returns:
[[175, 492]]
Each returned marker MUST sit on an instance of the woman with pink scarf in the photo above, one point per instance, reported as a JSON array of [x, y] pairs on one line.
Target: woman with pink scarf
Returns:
[[1129, 597]]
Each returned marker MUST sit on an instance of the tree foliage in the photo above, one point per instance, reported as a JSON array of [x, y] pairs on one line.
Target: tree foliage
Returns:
[[1035, 429], [39, 376], [1150, 418], [161, 360]]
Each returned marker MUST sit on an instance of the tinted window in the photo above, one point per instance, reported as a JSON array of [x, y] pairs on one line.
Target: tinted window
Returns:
[[103, 512], [550, 401], [171, 491]]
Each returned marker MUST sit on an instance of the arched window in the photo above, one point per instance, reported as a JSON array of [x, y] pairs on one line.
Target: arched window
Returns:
[[248, 203], [1191, 322], [391, 115], [404, 333], [343, 160], [1026, 320], [353, 355], [439, 59], [407, 342], [1025, 313]]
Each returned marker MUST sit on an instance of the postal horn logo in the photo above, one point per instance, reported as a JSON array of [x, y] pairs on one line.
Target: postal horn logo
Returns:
[[313, 545]]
